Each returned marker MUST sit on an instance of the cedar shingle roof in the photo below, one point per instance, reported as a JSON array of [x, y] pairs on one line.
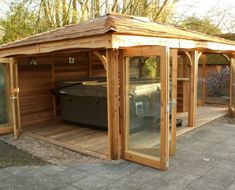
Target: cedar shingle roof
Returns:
[[229, 36], [113, 23]]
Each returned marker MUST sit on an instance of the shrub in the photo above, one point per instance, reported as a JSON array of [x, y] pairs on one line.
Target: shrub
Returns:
[[217, 83]]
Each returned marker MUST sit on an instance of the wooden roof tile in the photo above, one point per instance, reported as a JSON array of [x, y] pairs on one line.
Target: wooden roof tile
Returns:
[[120, 24]]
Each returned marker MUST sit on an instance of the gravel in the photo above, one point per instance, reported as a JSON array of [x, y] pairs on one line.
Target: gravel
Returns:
[[50, 153]]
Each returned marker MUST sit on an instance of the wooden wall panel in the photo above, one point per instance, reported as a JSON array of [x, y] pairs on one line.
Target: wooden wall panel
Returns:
[[35, 83], [182, 95], [66, 71]]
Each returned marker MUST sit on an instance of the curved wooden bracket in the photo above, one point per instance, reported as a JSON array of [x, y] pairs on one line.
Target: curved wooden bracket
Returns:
[[102, 58], [228, 57], [198, 56], [189, 57]]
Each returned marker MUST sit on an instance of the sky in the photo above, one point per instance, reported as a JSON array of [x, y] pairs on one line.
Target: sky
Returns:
[[215, 10]]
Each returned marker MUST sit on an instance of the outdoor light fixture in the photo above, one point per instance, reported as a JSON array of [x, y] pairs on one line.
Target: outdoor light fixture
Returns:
[[71, 60], [32, 61]]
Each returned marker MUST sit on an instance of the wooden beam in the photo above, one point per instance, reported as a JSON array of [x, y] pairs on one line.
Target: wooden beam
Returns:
[[165, 109], [102, 58], [174, 54], [146, 51], [4, 60], [103, 41], [115, 41], [193, 79], [113, 102], [147, 160], [5, 130], [122, 41]]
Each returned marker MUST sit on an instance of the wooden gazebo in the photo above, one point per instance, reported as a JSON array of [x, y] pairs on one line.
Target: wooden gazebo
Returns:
[[139, 60]]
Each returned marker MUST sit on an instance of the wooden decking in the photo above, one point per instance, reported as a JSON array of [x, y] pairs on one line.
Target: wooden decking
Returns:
[[205, 114], [84, 140], [95, 142]]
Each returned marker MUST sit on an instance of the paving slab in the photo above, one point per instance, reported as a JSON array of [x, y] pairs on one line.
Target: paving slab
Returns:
[[205, 183], [93, 182], [201, 163]]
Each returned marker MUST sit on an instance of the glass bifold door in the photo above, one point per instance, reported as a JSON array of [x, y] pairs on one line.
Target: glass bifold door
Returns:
[[148, 106], [4, 102], [9, 98]]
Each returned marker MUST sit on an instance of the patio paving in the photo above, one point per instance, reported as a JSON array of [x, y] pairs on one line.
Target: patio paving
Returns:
[[205, 160]]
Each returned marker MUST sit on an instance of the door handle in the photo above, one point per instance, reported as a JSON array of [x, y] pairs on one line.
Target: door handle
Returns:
[[13, 97], [173, 103]]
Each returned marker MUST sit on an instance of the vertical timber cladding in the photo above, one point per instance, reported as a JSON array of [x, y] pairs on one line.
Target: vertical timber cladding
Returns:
[[65, 71], [86, 65], [36, 81]]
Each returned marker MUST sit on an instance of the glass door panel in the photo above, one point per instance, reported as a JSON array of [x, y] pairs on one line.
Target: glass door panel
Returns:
[[144, 105], [4, 119], [5, 104], [9, 99], [147, 122]]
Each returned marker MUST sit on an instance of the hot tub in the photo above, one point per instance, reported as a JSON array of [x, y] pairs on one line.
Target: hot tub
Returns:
[[84, 103]]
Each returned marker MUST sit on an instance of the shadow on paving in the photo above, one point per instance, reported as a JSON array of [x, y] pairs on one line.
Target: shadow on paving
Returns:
[[11, 156]]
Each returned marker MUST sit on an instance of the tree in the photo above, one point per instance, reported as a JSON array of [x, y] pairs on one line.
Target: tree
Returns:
[[18, 23], [27, 17], [203, 25]]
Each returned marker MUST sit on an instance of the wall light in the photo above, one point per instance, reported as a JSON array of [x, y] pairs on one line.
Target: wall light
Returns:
[[32, 61], [71, 60]]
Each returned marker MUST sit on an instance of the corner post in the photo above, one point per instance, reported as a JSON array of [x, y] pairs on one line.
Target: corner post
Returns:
[[113, 102], [193, 79]]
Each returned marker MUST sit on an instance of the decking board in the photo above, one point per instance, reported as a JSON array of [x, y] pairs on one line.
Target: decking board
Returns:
[[84, 140]]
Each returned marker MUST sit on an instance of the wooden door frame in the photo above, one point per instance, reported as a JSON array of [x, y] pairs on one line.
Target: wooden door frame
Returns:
[[164, 52], [7, 128], [14, 85], [174, 54], [231, 108]]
